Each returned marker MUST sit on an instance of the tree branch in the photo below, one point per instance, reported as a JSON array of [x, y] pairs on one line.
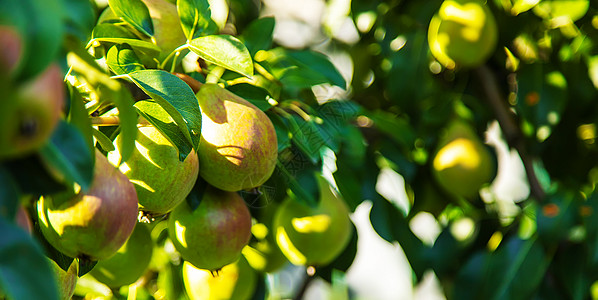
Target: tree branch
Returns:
[[510, 129]]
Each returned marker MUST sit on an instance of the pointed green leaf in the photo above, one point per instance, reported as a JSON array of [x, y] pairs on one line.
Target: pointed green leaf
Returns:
[[176, 97], [225, 51], [122, 59], [159, 118], [78, 116], [68, 153], [258, 35], [135, 13], [111, 33], [196, 18]]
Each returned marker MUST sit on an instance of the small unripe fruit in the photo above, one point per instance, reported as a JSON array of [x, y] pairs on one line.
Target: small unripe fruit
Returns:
[[161, 180], [212, 235]]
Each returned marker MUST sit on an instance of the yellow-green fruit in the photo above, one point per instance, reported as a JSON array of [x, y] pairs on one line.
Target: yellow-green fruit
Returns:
[[238, 147], [212, 235], [29, 113], [167, 26], [65, 280], [263, 254], [562, 11], [463, 33], [462, 163], [95, 224], [129, 263], [313, 235], [234, 281], [161, 180]]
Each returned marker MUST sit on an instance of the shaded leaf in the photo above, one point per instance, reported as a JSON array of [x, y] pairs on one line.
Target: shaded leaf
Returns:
[[135, 13], [176, 97], [258, 35]]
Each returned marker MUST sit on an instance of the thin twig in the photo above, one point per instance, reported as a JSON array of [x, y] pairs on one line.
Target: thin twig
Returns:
[[510, 129], [113, 121]]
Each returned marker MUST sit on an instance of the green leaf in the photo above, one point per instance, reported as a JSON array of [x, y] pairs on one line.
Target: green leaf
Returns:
[[396, 128], [258, 35], [25, 272], [390, 224], [68, 153], [81, 17], [225, 51], [135, 13], [176, 97], [320, 64], [111, 33], [556, 217], [196, 18], [301, 181], [122, 59], [159, 118], [9, 195], [44, 30], [103, 140], [254, 94], [78, 116], [32, 176]]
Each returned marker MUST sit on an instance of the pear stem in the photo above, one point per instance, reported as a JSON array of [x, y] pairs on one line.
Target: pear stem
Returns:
[[215, 74], [510, 129]]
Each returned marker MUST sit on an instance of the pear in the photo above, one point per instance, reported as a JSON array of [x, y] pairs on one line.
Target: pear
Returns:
[[462, 164], [30, 112], [238, 147], [235, 281], [92, 225], [161, 180], [129, 263], [213, 234], [313, 235], [463, 33]]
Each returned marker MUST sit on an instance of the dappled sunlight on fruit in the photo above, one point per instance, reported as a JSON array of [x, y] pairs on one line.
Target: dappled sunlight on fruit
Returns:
[[458, 153], [317, 223]]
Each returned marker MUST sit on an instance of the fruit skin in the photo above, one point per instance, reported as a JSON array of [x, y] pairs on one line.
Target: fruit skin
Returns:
[[161, 180], [233, 281], [313, 235], [30, 112], [262, 253], [96, 224], [66, 280], [212, 235], [129, 263], [463, 33], [238, 147], [12, 49], [168, 33], [462, 164]]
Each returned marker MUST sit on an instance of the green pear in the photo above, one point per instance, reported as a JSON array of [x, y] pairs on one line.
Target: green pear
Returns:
[[161, 180], [130, 261], [463, 33], [92, 225], [30, 112], [212, 235], [233, 281], [168, 33], [262, 253], [462, 164], [238, 148], [313, 235]]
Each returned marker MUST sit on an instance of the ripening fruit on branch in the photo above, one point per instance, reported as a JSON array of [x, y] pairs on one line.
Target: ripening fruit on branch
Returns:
[[238, 148], [234, 281], [212, 235], [463, 33], [161, 180], [313, 235], [130, 261], [95, 224], [29, 113], [462, 164]]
